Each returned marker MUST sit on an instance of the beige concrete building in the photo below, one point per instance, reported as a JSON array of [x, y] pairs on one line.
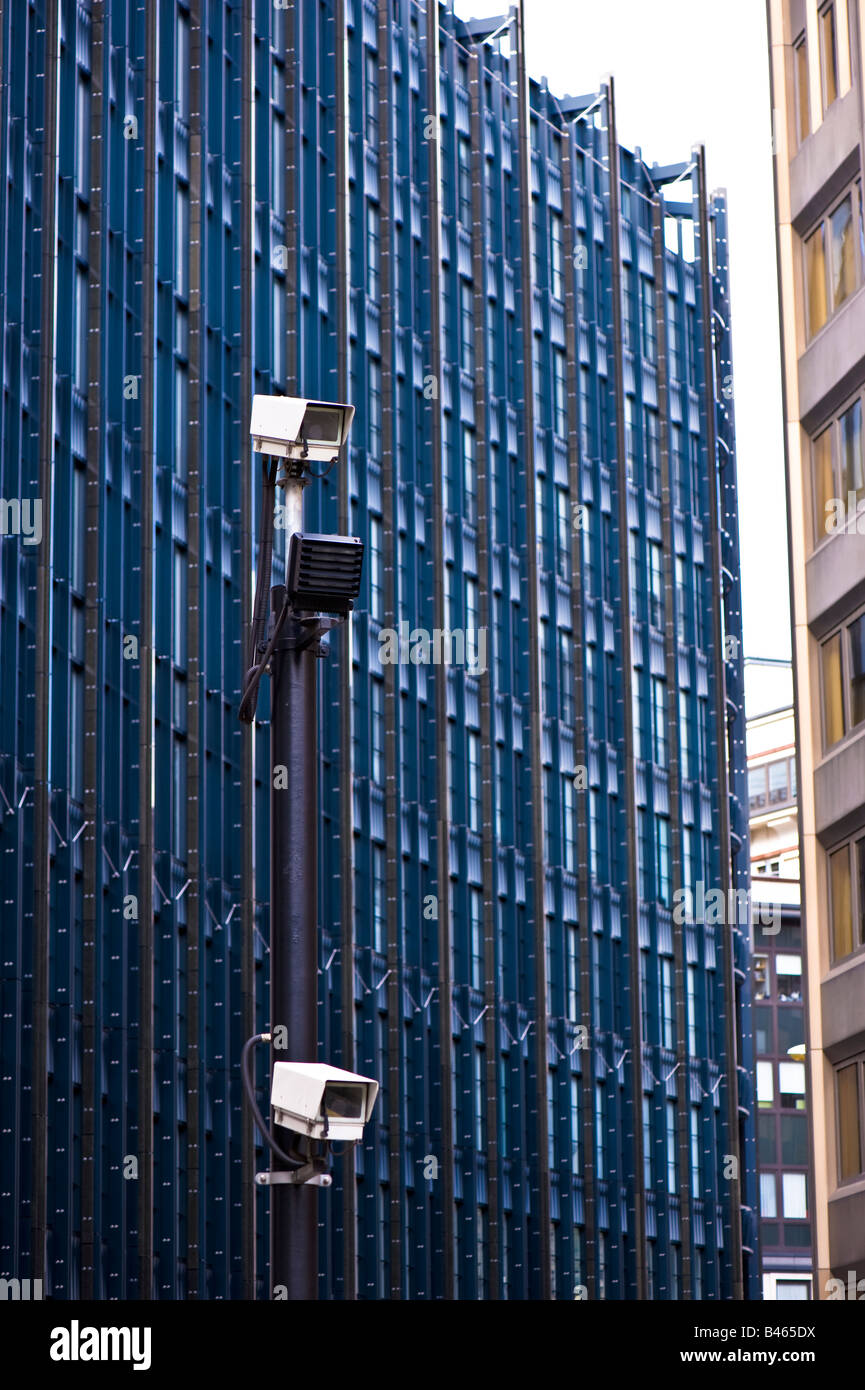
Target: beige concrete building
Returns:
[[817, 62]]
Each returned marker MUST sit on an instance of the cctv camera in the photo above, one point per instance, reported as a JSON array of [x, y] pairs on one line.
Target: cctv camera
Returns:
[[320, 1101], [292, 428]]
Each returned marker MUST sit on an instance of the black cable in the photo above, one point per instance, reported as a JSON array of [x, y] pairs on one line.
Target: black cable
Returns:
[[249, 698], [327, 470], [258, 628], [250, 1096]]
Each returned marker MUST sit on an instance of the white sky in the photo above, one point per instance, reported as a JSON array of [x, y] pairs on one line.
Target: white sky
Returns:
[[690, 72]]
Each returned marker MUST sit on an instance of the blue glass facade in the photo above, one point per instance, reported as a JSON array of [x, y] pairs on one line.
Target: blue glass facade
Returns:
[[368, 202]]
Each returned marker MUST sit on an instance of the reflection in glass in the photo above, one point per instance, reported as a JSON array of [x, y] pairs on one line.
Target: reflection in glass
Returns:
[[842, 908], [843, 252], [833, 701], [824, 482], [815, 270], [857, 670]]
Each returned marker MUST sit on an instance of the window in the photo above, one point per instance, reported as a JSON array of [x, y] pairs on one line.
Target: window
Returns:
[[788, 976], [372, 251], [79, 345], [653, 450], [828, 56], [672, 1175], [696, 1170], [850, 1113], [794, 1194], [470, 509], [476, 909], [850, 443], [474, 749], [467, 328], [691, 1003], [778, 789], [757, 788], [649, 326], [847, 898], [833, 260], [371, 98], [662, 859], [647, 1144], [768, 1196], [791, 1085], [765, 1083], [600, 1171], [815, 274], [668, 1038], [659, 721], [560, 394], [841, 902], [379, 939], [556, 276], [824, 483], [803, 101], [856, 632], [833, 692], [374, 408], [656, 586], [464, 182], [843, 251], [377, 729]]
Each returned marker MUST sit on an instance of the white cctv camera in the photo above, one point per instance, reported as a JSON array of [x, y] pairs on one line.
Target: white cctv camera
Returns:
[[321, 1102], [290, 427]]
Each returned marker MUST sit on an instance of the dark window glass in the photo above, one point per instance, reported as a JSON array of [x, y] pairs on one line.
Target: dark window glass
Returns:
[[766, 1144], [794, 1139], [791, 1028], [757, 788], [857, 670], [798, 1235], [763, 1028]]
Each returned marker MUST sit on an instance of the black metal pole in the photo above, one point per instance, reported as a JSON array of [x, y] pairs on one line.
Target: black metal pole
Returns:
[[293, 935]]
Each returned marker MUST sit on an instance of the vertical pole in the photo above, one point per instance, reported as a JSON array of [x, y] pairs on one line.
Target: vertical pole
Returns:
[[293, 935]]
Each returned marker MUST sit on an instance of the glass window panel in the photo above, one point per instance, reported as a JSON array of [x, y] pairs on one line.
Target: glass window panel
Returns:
[[766, 1147], [765, 1083], [757, 788], [841, 238], [849, 1126], [778, 792], [791, 1291], [794, 1139], [857, 670], [829, 55], [791, 1078], [842, 909], [803, 104], [824, 483], [768, 1196], [833, 695], [815, 272], [763, 1028], [791, 1028], [852, 470], [794, 1190]]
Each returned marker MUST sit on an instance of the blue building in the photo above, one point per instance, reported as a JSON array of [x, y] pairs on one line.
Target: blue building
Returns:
[[371, 202]]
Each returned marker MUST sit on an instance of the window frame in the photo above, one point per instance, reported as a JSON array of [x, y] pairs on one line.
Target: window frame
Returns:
[[858, 1062], [822, 227], [802, 108], [825, 12]]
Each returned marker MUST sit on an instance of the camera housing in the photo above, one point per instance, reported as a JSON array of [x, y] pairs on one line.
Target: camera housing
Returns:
[[292, 427], [321, 1101]]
